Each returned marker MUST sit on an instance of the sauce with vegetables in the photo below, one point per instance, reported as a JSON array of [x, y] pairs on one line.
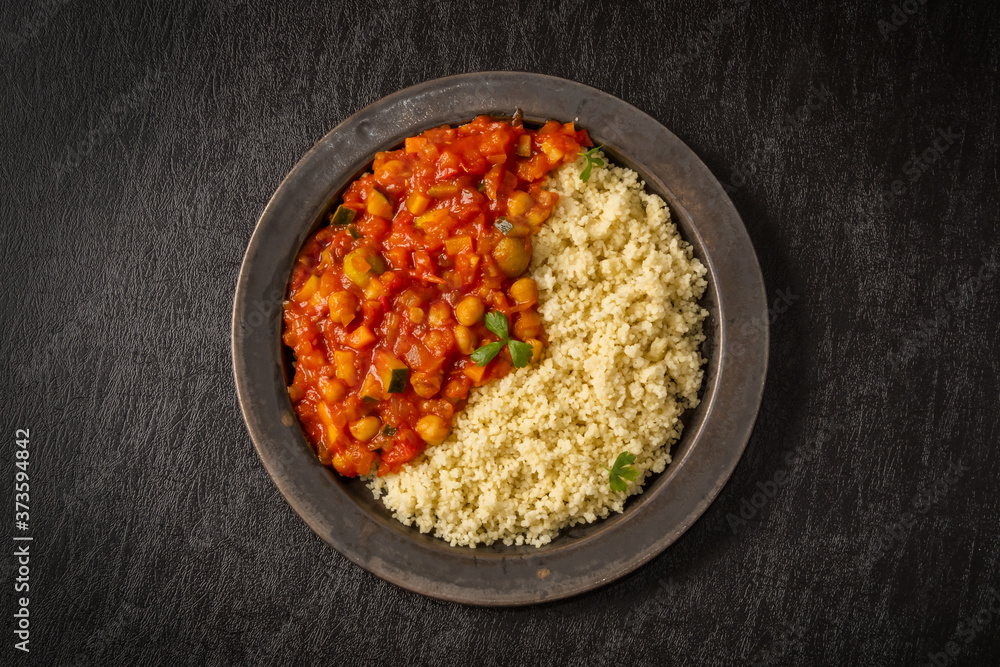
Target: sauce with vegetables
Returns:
[[416, 281]]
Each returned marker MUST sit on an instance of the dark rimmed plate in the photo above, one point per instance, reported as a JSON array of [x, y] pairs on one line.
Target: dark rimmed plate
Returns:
[[343, 512]]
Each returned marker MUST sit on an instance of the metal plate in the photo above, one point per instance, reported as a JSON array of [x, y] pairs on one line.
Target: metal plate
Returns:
[[343, 512]]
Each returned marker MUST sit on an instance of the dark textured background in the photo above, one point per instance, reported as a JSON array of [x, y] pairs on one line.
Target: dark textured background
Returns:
[[141, 140]]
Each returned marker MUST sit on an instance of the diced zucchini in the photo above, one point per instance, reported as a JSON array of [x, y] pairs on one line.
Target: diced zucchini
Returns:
[[353, 231], [342, 216], [376, 263], [397, 380], [356, 267], [393, 372], [504, 225]]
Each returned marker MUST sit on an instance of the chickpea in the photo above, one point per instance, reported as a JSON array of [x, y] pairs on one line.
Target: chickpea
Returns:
[[439, 314], [432, 429], [524, 291], [332, 389], [366, 428], [512, 256], [466, 339], [469, 310], [528, 325], [415, 314], [426, 385], [536, 349], [439, 341], [342, 464]]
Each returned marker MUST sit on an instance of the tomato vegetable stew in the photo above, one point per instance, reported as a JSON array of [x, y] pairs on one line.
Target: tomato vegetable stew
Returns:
[[414, 293]]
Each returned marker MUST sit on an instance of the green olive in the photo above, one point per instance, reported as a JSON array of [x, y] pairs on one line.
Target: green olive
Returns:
[[512, 256]]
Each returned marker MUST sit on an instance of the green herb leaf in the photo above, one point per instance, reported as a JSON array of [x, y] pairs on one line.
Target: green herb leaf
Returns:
[[621, 470], [389, 431], [592, 161], [520, 353], [485, 354], [497, 323]]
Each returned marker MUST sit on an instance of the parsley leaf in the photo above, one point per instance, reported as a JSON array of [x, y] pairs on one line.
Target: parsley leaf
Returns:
[[485, 354], [497, 323], [620, 471], [592, 161], [520, 353]]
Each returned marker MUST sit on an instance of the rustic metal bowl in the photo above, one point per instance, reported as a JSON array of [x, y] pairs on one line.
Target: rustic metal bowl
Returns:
[[343, 512]]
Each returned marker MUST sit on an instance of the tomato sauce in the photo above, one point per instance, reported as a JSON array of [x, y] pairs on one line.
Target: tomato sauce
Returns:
[[386, 303]]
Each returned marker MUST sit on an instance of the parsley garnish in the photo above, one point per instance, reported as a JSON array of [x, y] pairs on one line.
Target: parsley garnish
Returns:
[[622, 470], [520, 353], [592, 161]]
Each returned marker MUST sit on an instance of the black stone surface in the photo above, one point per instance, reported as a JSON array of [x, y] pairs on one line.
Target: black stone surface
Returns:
[[139, 143]]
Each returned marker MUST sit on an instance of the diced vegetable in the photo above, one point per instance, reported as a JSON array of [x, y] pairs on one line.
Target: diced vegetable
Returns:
[[307, 290], [519, 203], [342, 216], [392, 372], [361, 337], [343, 307], [458, 244], [437, 216], [370, 389], [442, 190], [378, 204], [344, 361], [417, 203], [524, 145]]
